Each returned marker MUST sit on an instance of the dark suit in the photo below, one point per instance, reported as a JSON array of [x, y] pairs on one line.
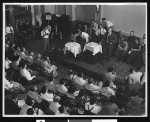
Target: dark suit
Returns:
[[110, 41]]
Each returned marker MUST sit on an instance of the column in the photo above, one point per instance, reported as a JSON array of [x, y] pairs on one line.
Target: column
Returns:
[[98, 14], [33, 15]]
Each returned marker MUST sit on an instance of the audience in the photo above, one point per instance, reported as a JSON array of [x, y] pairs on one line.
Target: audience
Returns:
[[74, 87]]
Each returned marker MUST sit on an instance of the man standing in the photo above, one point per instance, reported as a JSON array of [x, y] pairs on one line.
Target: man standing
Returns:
[[107, 24], [111, 40], [10, 33], [45, 33], [93, 27]]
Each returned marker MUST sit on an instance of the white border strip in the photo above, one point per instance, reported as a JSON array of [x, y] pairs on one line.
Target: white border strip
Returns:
[[67, 4]]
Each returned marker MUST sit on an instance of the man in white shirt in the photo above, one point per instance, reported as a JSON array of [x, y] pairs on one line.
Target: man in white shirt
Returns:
[[79, 81], [100, 33], [25, 73], [93, 27], [10, 33], [107, 24], [91, 87], [45, 33], [92, 106], [134, 79]]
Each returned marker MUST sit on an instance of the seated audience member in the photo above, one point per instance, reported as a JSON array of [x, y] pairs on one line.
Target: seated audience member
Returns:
[[56, 34], [25, 72], [107, 24], [11, 106], [38, 60], [46, 95], [70, 75], [62, 111], [136, 101], [61, 87], [100, 34], [134, 79], [23, 53], [7, 63], [87, 30], [31, 111], [30, 57], [48, 67], [92, 107], [54, 105], [134, 53], [81, 99], [122, 50], [131, 40], [106, 90], [50, 84], [28, 104], [110, 108], [110, 76], [93, 28], [71, 91], [91, 86], [15, 64], [79, 81], [33, 94], [12, 85], [143, 49]]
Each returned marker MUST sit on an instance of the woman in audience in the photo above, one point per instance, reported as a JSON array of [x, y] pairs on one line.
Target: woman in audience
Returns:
[[7, 63], [106, 90], [46, 95], [70, 75], [54, 105], [38, 60], [110, 108], [28, 104], [15, 64], [48, 67], [92, 107], [61, 87]]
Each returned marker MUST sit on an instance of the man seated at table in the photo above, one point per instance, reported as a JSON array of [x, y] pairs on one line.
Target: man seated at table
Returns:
[[100, 34], [56, 34], [82, 38], [122, 49]]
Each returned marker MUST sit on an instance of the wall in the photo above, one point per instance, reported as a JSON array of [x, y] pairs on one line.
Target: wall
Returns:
[[127, 17], [60, 9], [86, 12]]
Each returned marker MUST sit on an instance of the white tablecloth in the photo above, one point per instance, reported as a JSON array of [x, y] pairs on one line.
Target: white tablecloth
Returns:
[[73, 47], [93, 47]]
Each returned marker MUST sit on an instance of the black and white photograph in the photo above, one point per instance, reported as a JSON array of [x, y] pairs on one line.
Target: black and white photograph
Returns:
[[74, 60]]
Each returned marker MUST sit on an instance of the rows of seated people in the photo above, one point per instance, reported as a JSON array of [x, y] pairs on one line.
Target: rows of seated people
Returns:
[[130, 50], [73, 95]]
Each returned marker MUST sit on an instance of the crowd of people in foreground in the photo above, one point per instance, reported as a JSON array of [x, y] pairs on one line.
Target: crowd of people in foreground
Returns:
[[74, 94]]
